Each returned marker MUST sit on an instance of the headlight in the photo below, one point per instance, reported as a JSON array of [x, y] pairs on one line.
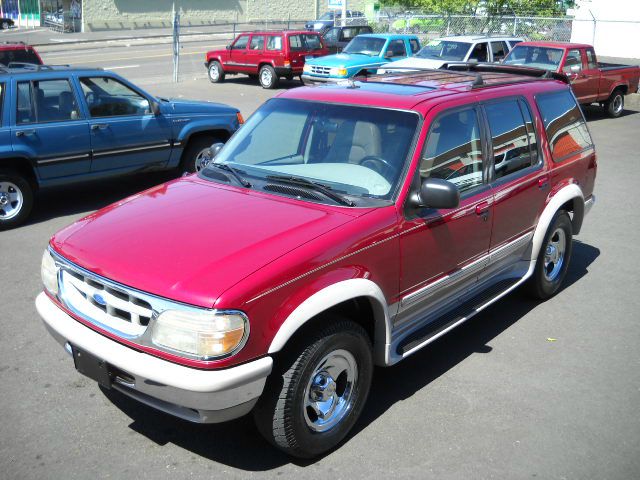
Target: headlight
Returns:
[[49, 273], [338, 72], [306, 68], [205, 334]]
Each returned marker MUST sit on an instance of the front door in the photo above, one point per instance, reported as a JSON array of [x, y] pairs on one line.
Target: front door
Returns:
[[574, 69], [50, 128], [238, 55], [443, 251], [125, 133]]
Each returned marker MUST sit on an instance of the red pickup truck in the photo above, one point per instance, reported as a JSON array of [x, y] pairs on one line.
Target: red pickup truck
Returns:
[[591, 81], [338, 229], [266, 55]]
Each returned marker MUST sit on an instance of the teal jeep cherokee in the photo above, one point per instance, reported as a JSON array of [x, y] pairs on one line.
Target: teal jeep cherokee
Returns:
[[364, 54]]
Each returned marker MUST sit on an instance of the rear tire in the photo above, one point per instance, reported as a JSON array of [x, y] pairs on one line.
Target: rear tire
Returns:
[[267, 76], [317, 391], [194, 157], [553, 258], [215, 72], [614, 106], [16, 199]]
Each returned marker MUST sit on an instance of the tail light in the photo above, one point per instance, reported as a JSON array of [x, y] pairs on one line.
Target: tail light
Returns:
[[287, 63]]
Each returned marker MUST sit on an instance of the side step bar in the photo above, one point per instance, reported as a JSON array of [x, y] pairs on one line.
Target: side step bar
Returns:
[[466, 310]]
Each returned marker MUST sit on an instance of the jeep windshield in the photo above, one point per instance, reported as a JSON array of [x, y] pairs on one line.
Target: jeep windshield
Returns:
[[444, 50], [357, 153], [365, 45]]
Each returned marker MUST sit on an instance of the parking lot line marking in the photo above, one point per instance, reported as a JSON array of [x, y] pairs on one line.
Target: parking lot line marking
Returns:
[[122, 66]]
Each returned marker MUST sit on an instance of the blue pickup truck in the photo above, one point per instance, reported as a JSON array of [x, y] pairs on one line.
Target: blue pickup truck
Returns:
[[61, 125], [365, 53]]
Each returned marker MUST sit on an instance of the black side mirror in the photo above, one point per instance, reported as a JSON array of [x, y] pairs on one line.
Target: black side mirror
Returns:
[[215, 149], [436, 193], [154, 107], [228, 47]]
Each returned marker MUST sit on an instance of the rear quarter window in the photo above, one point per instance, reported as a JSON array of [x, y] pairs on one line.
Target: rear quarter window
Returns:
[[566, 129]]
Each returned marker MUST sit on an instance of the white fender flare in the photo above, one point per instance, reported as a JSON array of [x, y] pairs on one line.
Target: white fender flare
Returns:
[[331, 296], [564, 195]]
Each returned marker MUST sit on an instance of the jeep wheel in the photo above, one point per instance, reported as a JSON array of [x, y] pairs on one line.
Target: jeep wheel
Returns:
[[268, 77], [5, 25], [614, 106], [196, 155], [16, 199], [216, 73], [316, 393], [553, 259]]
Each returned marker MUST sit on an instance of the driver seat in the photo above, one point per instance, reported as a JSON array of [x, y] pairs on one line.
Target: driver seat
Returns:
[[354, 141]]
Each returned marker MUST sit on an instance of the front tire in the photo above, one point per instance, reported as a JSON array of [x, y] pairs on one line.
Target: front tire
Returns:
[[195, 156], [614, 106], [16, 199], [215, 72], [267, 76], [553, 258], [316, 393], [5, 25]]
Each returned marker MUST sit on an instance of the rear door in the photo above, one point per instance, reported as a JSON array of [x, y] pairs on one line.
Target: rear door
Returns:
[[50, 127], [125, 134], [255, 53]]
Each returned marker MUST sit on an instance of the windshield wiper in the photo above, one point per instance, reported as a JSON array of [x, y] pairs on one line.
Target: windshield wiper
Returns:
[[318, 187], [232, 171]]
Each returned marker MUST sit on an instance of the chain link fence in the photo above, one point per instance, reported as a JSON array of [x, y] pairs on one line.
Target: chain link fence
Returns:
[[428, 27]]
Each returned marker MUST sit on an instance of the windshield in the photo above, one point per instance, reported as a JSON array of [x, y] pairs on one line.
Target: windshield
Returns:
[[365, 45], [19, 55], [355, 151], [444, 50], [536, 57]]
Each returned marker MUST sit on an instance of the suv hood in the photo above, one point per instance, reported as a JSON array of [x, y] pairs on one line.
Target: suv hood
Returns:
[[190, 240], [174, 106], [345, 60]]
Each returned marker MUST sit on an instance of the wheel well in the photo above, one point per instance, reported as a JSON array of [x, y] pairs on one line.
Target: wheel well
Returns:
[[576, 207], [222, 135], [622, 88], [22, 166], [260, 65]]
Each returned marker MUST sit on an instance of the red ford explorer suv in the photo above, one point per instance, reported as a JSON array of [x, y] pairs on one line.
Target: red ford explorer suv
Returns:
[[266, 55], [341, 227]]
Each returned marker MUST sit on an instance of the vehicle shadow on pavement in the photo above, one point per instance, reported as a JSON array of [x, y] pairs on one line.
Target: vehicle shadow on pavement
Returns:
[[87, 197], [238, 443], [594, 113], [283, 84]]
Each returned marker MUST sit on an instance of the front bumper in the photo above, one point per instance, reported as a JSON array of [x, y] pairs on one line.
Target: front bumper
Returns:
[[588, 204], [203, 396], [313, 79]]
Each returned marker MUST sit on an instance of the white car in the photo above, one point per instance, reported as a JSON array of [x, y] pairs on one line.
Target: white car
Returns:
[[459, 48]]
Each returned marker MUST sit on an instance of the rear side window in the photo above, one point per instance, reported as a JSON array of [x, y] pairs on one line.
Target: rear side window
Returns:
[[415, 46], [510, 137], [295, 42], [46, 101], [563, 121], [19, 55], [499, 50], [479, 52], [274, 43], [453, 150]]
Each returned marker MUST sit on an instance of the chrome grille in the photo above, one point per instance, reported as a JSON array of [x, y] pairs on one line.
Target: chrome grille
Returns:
[[320, 70], [104, 303]]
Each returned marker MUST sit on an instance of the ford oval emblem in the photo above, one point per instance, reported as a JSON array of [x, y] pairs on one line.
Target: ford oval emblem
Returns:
[[99, 300]]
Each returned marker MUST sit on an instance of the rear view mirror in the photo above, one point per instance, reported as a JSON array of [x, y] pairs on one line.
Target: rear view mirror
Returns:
[[436, 193]]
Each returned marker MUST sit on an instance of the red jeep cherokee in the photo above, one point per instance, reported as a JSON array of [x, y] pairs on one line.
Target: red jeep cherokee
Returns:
[[266, 55], [341, 227]]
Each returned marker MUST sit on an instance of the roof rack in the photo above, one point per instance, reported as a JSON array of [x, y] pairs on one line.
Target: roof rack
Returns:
[[534, 73]]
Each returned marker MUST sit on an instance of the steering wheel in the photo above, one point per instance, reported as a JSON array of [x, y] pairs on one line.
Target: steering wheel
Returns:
[[90, 97], [377, 164]]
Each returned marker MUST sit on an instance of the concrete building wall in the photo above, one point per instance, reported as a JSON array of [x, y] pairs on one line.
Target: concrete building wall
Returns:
[[117, 14]]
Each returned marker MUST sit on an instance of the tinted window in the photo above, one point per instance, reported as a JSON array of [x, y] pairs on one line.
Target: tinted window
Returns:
[[531, 132], [107, 97], [311, 42], [479, 52], [509, 137], [538, 57], [295, 42], [396, 49], [349, 33], [563, 121], [46, 101], [332, 35], [21, 55], [591, 59], [573, 58], [499, 50], [453, 150], [257, 43], [415, 45], [274, 43], [241, 43]]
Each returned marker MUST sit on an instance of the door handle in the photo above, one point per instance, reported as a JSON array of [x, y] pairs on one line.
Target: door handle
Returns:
[[25, 133], [543, 183], [99, 126], [482, 209]]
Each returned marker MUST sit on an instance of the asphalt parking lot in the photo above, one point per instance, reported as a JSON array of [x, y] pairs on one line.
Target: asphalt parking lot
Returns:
[[523, 390]]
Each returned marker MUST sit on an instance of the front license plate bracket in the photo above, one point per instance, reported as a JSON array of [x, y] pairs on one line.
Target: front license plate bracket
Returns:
[[91, 366]]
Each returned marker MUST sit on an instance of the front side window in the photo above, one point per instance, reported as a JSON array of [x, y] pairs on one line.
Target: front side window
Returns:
[[241, 43], [453, 150], [274, 43], [444, 50], [107, 97], [257, 43], [510, 137], [567, 132], [46, 101], [356, 151], [536, 57]]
